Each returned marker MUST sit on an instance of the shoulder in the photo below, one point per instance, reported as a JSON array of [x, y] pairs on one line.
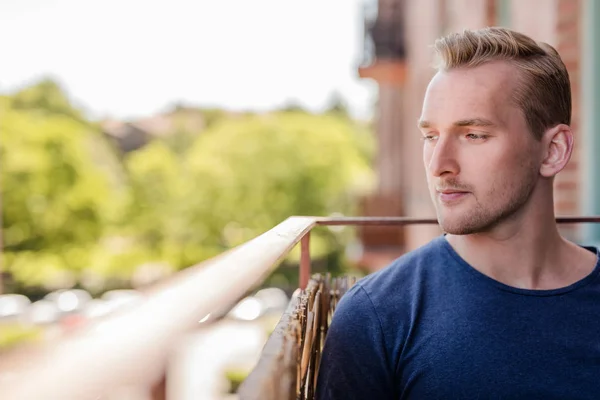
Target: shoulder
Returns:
[[390, 293], [378, 311], [405, 274]]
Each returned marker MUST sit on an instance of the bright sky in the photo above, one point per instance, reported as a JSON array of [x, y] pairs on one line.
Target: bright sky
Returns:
[[128, 58]]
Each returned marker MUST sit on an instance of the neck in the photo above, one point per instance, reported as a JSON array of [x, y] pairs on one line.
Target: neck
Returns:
[[526, 251]]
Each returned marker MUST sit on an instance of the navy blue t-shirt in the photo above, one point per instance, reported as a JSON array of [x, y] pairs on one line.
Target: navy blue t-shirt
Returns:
[[430, 326]]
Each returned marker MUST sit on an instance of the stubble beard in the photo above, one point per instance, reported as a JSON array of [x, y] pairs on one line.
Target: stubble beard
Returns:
[[500, 205]]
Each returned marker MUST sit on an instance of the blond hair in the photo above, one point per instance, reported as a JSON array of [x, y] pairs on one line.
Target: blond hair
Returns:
[[544, 90]]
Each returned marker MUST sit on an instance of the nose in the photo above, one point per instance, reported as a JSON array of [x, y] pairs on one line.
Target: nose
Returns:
[[441, 158]]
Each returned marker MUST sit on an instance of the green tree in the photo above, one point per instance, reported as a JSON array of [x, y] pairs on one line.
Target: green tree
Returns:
[[253, 173], [45, 96], [58, 196], [241, 178]]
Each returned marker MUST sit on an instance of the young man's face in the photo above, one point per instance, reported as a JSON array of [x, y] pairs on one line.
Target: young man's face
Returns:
[[482, 162]]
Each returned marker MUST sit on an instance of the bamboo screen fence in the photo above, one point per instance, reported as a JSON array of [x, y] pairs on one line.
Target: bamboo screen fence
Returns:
[[289, 364]]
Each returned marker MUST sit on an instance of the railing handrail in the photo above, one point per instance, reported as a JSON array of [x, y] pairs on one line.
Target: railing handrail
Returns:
[[132, 346], [399, 221]]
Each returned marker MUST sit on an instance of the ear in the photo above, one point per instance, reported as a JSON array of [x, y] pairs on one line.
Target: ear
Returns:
[[558, 145]]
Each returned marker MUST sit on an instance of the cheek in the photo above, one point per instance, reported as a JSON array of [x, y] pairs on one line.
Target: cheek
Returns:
[[480, 163], [498, 173], [517, 162], [496, 158], [485, 170]]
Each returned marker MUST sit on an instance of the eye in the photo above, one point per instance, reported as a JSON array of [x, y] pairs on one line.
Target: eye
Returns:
[[429, 137], [476, 136]]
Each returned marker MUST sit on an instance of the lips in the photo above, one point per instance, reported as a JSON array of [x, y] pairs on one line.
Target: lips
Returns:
[[450, 196]]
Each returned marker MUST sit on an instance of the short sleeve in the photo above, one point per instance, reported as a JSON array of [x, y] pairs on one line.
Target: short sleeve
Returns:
[[354, 362]]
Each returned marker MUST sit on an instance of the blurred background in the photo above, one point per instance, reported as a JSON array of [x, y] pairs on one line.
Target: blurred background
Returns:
[[141, 137]]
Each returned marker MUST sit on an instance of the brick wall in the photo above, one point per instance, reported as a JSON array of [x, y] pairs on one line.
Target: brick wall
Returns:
[[557, 22], [568, 192], [536, 18]]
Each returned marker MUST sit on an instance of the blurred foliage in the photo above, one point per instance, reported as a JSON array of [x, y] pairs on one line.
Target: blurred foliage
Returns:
[[11, 335], [75, 208], [57, 198], [45, 97], [236, 377]]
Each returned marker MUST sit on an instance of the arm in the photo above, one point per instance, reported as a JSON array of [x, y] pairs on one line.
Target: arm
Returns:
[[355, 364]]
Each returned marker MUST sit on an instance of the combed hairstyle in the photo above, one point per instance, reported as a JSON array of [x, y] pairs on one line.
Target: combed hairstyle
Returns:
[[543, 92]]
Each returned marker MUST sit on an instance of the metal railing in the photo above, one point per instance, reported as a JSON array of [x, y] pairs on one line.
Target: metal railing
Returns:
[[105, 354]]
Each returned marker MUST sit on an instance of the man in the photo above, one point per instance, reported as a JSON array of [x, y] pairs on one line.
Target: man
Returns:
[[500, 306]]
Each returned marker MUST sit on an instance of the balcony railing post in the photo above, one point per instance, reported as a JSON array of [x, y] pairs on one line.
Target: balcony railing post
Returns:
[[304, 261]]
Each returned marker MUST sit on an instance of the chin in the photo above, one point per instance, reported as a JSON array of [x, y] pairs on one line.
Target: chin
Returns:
[[458, 229], [462, 224]]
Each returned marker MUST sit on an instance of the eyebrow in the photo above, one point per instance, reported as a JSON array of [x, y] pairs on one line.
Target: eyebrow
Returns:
[[461, 123]]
